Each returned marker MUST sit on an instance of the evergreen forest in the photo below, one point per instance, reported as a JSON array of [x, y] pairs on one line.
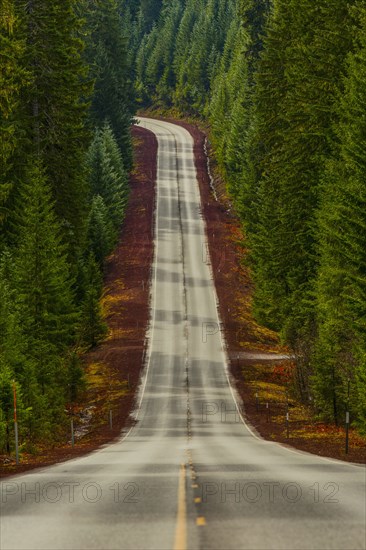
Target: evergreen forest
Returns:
[[66, 107], [282, 85]]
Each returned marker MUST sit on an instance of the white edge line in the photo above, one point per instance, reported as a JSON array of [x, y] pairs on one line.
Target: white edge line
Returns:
[[150, 340], [233, 390], [228, 374], [136, 412]]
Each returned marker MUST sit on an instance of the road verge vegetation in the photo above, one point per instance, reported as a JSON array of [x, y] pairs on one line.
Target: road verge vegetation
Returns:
[[263, 370], [113, 368]]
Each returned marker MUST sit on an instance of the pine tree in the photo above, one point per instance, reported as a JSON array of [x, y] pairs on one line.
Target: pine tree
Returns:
[[41, 270], [254, 14], [14, 78], [159, 67], [261, 204], [141, 85], [55, 106], [44, 298], [92, 326], [178, 59], [229, 109], [101, 234], [297, 83], [113, 94], [121, 183], [197, 68], [341, 284], [108, 177], [149, 13], [13, 343], [75, 378], [181, 51]]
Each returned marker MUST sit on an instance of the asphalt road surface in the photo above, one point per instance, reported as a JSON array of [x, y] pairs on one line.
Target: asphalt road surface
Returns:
[[190, 474]]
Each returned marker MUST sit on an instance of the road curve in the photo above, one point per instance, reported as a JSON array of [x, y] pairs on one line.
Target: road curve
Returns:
[[190, 474]]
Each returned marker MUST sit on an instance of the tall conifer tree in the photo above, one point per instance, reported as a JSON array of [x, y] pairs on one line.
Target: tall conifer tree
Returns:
[[113, 95], [14, 78], [55, 106], [341, 284], [43, 289]]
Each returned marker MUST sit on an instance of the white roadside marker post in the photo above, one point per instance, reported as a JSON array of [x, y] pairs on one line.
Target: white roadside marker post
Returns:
[[16, 423], [347, 416], [72, 433]]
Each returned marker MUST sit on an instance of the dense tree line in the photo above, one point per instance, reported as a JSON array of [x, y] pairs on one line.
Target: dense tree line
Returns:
[[66, 106], [282, 83]]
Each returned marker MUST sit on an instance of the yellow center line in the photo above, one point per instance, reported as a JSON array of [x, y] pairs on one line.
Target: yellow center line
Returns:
[[181, 528]]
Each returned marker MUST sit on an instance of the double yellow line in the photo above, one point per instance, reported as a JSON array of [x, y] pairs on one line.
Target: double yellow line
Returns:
[[181, 529]]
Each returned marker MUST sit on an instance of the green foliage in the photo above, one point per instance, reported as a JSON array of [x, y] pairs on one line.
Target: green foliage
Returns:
[[149, 13], [57, 207], [108, 177], [14, 78], [75, 376], [54, 107], [92, 326], [113, 93], [109, 192], [297, 82], [42, 290], [159, 66], [41, 271], [100, 230], [229, 106], [6, 409], [177, 59], [341, 281], [282, 84]]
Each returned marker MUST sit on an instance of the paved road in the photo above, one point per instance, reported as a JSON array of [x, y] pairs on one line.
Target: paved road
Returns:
[[190, 474]]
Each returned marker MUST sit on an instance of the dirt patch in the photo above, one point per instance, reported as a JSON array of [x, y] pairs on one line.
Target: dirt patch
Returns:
[[113, 369]]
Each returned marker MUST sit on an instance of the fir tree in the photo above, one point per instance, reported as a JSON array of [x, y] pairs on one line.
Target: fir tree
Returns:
[[121, 184], [14, 78], [41, 270], [55, 106], [159, 67], [297, 83], [149, 13], [113, 94], [108, 177], [92, 326], [44, 297], [341, 283], [101, 235]]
